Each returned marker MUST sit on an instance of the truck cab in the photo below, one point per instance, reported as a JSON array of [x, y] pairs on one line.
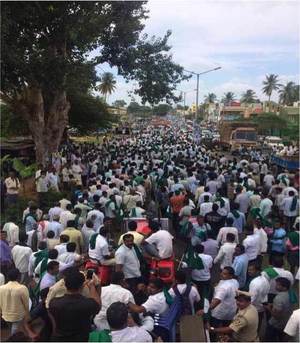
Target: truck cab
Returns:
[[243, 137]]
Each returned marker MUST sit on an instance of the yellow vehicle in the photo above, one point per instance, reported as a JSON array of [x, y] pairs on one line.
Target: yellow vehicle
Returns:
[[235, 134]]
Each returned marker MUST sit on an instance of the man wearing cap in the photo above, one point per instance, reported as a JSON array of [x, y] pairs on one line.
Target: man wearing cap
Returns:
[[244, 325]]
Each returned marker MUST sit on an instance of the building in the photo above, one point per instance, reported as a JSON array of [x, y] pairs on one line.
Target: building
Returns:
[[120, 111], [291, 113], [235, 110]]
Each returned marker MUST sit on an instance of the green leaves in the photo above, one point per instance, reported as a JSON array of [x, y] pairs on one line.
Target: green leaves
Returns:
[[22, 169]]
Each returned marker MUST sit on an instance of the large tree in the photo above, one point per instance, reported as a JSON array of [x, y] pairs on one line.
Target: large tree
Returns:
[[119, 103], [46, 46], [270, 84], [210, 98], [228, 97], [289, 93], [107, 84], [249, 97]]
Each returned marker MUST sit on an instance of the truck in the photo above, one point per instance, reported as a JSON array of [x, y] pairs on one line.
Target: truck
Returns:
[[236, 134]]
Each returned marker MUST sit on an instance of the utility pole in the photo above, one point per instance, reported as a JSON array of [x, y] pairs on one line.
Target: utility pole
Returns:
[[197, 90]]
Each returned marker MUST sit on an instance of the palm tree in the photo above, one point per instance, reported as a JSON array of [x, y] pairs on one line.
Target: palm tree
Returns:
[[228, 97], [287, 93], [210, 98], [270, 84], [249, 97], [107, 85]]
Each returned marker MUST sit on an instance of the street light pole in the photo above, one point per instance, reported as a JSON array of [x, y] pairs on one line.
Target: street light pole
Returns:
[[197, 94]]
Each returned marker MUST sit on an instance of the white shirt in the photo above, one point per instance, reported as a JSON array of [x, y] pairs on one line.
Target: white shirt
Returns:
[[21, 255], [163, 241], [54, 212], [156, 303], [268, 180], [56, 227], [12, 231], [203, 274], [61, 248], [65, 216], [2, 279], [259, 288], [226, 292], [223, 233], [48, 280], [101, 249], [109, 295], [201, 198], [263, 240], [194, 296], [131, 334], [265, 207], [68, 257], [252, 246], [128, 259], [286, 207], [281, 273], [205, 208], [225, 255], [98, 222], [293, 325]]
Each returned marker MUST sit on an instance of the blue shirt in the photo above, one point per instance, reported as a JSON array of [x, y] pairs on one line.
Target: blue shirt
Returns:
[[239, 222], [278, 240], [240, 266]]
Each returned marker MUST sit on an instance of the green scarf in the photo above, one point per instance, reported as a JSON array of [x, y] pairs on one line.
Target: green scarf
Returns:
[[100, 336], [93, 240], [294, 238], [143, 262], [293, 296], [184, 229], [220, 199], [255, 213], [192, 259], [169, 299], [283, 179], [235, 213], [271, 272], [294, 203], [40, 256], [133, 213]]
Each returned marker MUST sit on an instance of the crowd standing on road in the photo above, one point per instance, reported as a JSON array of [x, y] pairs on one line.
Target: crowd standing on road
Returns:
[[233, 239]]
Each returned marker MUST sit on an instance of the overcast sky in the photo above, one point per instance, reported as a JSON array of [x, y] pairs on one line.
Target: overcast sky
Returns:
[[248, 39]]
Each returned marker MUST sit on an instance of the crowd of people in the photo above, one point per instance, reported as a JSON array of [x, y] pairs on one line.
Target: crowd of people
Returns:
[[233, 237]]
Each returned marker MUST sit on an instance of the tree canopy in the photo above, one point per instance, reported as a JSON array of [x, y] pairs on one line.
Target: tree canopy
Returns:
[[46, 48], [162, 109], [249, 97]]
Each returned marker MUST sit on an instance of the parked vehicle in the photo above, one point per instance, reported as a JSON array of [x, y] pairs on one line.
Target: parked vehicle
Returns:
[[237, 134], [274, 142]]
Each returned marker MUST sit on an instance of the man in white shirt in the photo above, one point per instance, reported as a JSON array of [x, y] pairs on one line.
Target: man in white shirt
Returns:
[[293, 325], [201, 277], [98, 248], [49, 278], [223, 305], [110, 294], [128, 262], [290, 207], [221, 238], [96, 216], [12, 231], [55, 211], [54, 226], [205, 193], [162, 241], [21, 254], [269, 180], [181, 285], [206, 206], [156, 303], [117, 317], [265, 205], [225, 254], [251, 244], [62, 246], [259, 288], [263, 241], [70, 256], [66, 215]]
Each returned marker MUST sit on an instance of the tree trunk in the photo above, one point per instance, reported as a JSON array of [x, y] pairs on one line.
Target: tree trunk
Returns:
[[269, 103], [46, 125]]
